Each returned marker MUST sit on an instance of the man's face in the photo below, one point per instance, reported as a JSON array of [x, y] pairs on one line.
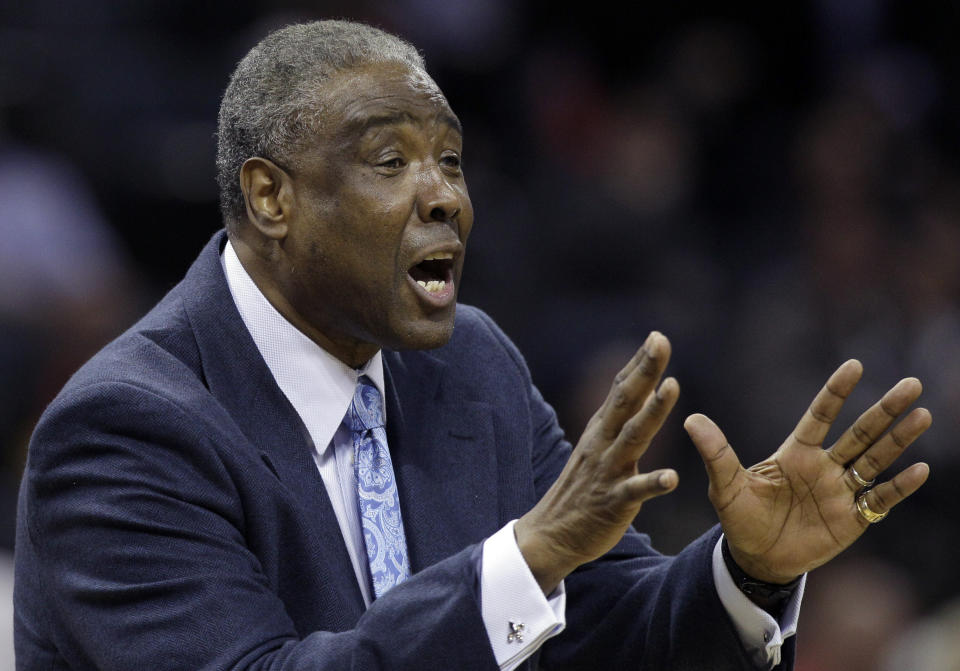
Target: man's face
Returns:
[[381, 215]]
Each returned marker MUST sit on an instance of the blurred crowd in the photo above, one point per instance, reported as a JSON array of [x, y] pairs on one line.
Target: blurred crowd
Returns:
[[776, 189]]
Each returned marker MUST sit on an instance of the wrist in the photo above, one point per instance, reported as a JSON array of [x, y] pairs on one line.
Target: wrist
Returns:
[[770, 595], [542, 560], [752, 569]]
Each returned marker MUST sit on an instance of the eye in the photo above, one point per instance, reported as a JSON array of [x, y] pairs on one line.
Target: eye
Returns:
[[392, 164], [451, 161]]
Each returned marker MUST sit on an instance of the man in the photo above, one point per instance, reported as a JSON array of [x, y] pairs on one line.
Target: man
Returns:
[[216, 489]]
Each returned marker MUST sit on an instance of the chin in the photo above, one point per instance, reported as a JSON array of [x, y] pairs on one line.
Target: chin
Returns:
[[424, 334]]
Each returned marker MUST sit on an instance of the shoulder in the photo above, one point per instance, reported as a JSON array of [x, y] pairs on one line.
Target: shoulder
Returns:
[[139, 411], [161, 352], [149, 381], [158, 355]]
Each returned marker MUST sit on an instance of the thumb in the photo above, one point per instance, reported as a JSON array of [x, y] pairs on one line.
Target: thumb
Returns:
[[718, 457]]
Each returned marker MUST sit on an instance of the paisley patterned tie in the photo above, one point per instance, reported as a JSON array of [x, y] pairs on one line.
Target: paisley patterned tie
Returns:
[[377, 490]]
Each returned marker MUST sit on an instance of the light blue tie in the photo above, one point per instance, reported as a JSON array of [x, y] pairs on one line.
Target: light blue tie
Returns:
[[377, 490]]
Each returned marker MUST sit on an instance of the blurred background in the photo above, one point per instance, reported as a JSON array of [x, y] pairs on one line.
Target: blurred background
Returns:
[[775, 187]]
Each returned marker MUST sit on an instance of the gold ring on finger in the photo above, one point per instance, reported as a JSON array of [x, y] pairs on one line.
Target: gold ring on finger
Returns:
[[864, 484], [865, 511]]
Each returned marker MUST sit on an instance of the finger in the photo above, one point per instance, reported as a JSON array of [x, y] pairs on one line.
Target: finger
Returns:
[[644, 486], [886, 495], [817, 420], [637, 356], [718, 457], [640, 429], [633, 384], [879, 457], [870, 425]]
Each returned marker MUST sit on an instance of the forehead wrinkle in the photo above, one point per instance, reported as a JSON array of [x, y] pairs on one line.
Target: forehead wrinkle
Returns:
[[379, 95], [451, 120], [361, 125]]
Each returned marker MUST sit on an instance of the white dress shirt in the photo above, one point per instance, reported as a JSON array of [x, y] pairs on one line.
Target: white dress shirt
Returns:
[[320, 388]]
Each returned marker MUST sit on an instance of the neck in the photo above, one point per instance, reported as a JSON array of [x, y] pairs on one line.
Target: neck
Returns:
[[258, 263]]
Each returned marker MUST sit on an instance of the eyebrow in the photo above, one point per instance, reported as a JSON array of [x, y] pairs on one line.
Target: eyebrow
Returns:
[[363, 125]]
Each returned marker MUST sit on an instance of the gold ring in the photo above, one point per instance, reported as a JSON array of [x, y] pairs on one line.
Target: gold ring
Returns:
[[864, 484], [865, 511]]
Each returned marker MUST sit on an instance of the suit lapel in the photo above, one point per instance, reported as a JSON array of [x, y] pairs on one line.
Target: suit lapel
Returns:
[[238, 377], [444, 459]]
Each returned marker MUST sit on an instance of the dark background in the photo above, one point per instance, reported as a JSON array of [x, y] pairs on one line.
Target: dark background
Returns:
[[777, 189]]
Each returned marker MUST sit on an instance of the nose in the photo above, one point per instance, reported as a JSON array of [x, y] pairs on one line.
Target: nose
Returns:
[[437, 199]]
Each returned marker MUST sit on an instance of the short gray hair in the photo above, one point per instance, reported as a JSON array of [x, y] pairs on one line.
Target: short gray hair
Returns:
[[272, 100]]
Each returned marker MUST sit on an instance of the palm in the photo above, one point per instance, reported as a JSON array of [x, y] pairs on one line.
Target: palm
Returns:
[[799, 495], [796, 510]]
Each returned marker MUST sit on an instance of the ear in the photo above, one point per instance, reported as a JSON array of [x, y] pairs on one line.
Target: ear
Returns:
[[267, 191]]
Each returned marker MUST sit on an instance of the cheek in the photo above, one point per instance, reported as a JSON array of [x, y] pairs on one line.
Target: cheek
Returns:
[[465, 221], [374, 268], [362, 235]]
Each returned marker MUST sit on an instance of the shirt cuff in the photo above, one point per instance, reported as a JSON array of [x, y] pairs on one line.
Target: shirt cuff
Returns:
[[761, 635], [516, 614]]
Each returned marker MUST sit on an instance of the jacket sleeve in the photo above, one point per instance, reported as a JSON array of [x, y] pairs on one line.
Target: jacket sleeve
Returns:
[[133, 555]]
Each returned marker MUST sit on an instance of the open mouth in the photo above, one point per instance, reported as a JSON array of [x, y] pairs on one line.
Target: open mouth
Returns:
[[435, 273]]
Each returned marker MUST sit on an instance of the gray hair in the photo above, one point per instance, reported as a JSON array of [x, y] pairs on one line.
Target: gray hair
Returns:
[[272, 101]]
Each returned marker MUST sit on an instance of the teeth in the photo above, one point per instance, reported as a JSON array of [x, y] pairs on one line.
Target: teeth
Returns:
[[433, 286], [441, 256]]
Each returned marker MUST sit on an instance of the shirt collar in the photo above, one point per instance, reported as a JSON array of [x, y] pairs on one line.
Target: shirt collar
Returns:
[[318, 385]]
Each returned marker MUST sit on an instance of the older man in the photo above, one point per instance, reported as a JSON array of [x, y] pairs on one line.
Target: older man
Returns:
[[270, 470]]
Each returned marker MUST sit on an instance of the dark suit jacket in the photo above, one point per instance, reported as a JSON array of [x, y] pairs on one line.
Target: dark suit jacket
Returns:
[[171, 516]]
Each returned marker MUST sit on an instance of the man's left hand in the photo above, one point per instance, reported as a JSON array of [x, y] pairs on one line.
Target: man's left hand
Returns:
[[797, 509]]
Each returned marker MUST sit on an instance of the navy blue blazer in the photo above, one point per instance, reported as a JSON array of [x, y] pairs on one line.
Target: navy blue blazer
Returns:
[[171, 516]]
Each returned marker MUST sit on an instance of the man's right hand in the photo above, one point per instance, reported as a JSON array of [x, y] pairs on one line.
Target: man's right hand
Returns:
[[600, 490]]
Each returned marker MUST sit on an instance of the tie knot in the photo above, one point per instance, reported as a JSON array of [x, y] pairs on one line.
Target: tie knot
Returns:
[[367, 407]]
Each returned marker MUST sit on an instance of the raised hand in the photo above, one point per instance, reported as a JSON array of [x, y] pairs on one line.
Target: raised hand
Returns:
[[798, 509], [600, 490]]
